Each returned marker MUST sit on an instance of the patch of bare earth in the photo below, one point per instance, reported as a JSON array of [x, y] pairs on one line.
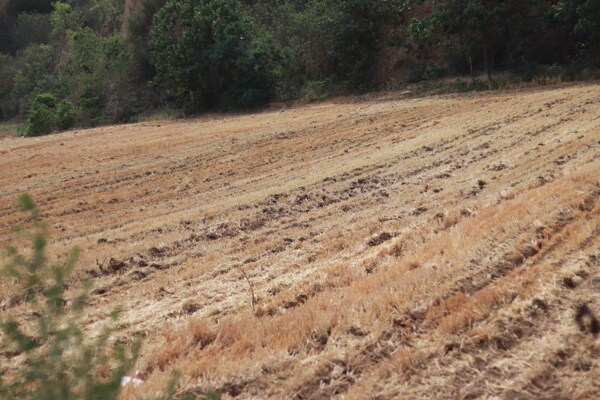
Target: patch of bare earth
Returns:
[[441, 247]]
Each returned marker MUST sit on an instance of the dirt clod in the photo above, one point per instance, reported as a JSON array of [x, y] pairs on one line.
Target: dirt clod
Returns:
[[379, 239]]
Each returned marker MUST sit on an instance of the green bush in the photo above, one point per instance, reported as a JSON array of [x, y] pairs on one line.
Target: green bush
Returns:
[[317, 90], [59, 362], [42, 115], [45, 115], [65, 116]]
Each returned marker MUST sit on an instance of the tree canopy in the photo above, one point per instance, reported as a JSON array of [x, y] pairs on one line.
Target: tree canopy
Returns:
[[197, 55], [208, 53]]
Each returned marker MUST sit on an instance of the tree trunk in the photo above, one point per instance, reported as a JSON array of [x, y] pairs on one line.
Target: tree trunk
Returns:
[[131, 7], [486, 58], [470, 60]]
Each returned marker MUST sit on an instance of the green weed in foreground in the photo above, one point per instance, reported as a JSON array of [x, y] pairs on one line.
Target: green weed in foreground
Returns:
[[59, 362]]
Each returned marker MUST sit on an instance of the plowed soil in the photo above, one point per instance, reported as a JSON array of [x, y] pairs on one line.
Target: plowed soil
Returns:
[[386, 247]]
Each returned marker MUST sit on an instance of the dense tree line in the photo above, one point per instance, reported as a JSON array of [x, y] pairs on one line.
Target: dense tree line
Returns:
[[518, 35], [68, 62]]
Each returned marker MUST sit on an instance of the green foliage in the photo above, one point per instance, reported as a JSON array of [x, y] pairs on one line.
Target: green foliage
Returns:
[[328, 39], [517, 35], [106, 11], [31, 28], [476, 22], [420, 30], [208, 53], [95, 76], [5, 128], [226, 54], [139, 26], [317, 90], [65, 115], [30, 74], [5, 35], [46, 115], [16, 7], [64, 19], [424, 72], [59, 361], [581, 18], [7, 106], [588, 25], [42, 115]]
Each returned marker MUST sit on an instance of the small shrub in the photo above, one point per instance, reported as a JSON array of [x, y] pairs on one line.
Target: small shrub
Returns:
[[59, 362], [42, 115], [480, 84], [317, 90]]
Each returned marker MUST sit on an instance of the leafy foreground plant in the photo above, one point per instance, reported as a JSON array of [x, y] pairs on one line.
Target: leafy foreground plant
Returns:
[[59, 362]]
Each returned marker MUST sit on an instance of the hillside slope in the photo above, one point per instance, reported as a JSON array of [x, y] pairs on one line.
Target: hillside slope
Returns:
[[440, 247]]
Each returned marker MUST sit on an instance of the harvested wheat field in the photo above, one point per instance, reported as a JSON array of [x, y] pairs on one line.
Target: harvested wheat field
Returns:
[[385, 247]]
